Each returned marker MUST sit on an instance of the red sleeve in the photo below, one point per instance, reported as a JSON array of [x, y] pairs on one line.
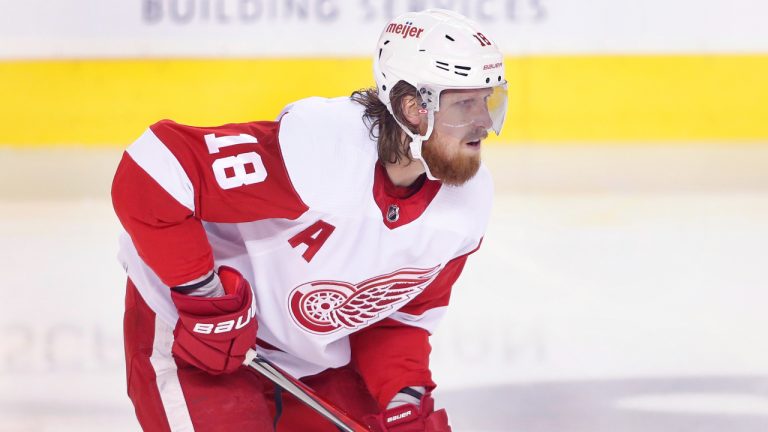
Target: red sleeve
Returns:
[[390, 354], [175, 176]]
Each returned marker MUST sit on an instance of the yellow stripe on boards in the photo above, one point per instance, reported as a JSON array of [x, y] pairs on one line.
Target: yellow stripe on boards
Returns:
[[640, 98], [552, 98], [97, 102]]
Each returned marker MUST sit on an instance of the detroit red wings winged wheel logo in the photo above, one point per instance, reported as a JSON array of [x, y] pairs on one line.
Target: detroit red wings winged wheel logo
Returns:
[[327, 306]]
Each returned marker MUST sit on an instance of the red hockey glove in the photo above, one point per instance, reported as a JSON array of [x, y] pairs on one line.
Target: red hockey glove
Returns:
[[411, 418], [214, 333]]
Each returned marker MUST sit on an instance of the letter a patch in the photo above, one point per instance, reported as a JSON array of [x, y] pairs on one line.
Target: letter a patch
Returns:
[[314, 237]]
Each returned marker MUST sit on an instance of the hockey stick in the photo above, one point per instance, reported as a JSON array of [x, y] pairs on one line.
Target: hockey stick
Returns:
[[302, 392]]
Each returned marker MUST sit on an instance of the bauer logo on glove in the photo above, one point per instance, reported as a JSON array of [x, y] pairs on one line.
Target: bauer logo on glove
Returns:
[[226, 326]]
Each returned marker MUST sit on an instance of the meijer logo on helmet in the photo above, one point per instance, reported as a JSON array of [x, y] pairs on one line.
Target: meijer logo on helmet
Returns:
[[407, 29]]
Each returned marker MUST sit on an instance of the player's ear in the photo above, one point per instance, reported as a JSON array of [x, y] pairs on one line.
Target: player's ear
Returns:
[[411, 106]]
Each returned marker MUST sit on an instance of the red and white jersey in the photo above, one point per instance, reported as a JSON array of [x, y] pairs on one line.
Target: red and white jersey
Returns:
[[303, 209]]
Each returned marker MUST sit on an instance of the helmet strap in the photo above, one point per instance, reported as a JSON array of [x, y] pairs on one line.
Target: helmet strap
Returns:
[[418, 140]]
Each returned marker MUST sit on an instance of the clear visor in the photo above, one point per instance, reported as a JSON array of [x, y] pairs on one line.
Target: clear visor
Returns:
[[465, 110]]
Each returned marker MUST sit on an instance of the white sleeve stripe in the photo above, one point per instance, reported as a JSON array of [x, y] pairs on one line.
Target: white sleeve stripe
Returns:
[[154, 157], [427, 320]]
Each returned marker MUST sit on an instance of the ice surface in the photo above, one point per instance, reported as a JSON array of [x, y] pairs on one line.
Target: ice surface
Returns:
[[618, 289]]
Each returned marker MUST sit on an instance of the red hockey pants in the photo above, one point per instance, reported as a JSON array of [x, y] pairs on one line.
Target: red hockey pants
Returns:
[[169, 395]]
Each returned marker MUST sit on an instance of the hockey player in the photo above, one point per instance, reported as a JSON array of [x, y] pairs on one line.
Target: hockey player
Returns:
[[327, 240]]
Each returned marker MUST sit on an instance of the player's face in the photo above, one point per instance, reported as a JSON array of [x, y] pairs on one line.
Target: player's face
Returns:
[[453, 150]]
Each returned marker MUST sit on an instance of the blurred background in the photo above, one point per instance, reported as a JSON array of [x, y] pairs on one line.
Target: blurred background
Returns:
[[622, 282]]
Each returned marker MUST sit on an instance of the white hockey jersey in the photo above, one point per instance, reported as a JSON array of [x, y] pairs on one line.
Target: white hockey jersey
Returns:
[[302, 208]]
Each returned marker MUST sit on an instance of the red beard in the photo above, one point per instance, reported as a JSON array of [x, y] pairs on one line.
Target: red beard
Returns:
[[453, 170]]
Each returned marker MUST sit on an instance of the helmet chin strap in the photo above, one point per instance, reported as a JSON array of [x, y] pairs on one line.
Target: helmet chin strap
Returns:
[[418, 140]]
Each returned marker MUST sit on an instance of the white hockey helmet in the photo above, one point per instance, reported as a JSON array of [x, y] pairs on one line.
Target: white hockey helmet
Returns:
[[436, 50]]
